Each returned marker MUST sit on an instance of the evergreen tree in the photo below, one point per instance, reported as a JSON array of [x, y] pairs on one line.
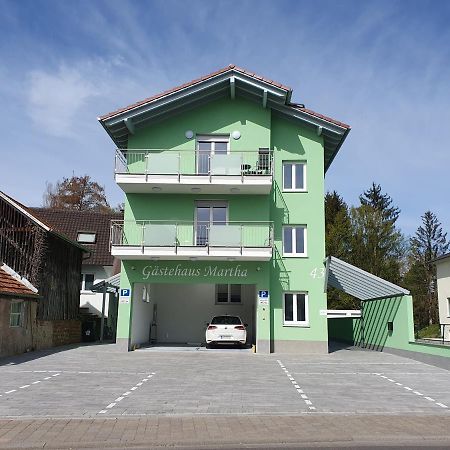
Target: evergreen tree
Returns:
[[427, 244], [382, 202]]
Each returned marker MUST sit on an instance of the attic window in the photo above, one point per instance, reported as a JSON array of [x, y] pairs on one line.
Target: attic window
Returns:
[[86, 237]]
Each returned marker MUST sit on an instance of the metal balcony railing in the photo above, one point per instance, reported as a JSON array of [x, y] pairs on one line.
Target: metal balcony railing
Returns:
[[194, 162], [191, 234]]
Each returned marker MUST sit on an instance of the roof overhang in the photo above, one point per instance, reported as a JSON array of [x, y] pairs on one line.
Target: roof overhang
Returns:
[[229, 82], [111, 285], [359, 283]]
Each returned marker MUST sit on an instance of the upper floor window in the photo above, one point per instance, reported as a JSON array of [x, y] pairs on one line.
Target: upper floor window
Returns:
[[294, 240], [16, 314], [86, 281], [294, 176], [295, 308], [208, 146], [86, 237]]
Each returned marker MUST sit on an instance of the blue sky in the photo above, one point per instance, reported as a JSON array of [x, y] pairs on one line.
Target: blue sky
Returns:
[[381, 66]]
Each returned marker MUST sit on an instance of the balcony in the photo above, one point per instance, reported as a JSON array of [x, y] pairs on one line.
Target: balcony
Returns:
[[188, 171], [246, 241]]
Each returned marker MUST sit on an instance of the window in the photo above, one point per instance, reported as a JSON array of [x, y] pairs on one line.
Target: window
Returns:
[[86, 281], [448, 307], [295, 307], [86, 238], [294, 177], [16, 314], [207, 214], [207, 146], [294, 240], [228, 293]]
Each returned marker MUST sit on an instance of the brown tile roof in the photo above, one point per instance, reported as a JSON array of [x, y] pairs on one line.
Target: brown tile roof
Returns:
[[191, 83], [320, 116], [70, 223], [13, 287]]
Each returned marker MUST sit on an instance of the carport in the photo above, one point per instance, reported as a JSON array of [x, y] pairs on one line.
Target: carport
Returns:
[[177, 313], [385, 313]]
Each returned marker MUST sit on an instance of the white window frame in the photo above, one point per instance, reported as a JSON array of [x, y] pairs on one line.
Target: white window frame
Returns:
[[293, 177], [228, 302], [448, 306], [20, 314], [213, 139], [294, 254], [83, 283], [296, 323]]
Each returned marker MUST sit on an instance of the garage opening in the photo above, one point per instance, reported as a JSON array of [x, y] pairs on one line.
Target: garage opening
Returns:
[[164, 313]]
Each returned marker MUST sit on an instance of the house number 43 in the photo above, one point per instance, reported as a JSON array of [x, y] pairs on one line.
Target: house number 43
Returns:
[[318, 272]]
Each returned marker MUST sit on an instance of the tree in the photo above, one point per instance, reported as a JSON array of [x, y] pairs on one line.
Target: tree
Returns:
[[381, 202], [80, 193], [337, 243], [337, 226], [428, 243], [377, 246]]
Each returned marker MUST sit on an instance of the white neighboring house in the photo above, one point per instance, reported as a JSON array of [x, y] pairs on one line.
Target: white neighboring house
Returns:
[[92, 230], [443, 284]]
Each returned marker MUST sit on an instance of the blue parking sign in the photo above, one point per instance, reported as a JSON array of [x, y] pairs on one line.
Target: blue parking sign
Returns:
[[125, 292], [263, 294]]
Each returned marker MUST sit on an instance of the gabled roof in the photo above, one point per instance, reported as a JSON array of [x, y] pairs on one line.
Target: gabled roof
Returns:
[[359, 283], [39, 220], [230, 81], [71, 222], [12, 285]]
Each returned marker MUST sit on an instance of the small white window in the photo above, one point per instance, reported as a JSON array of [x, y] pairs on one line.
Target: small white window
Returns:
[[294, 177], [16, 314], [295, 309], [448, 306], [228, 293], [86, 281], [86, 238], [294, 241]]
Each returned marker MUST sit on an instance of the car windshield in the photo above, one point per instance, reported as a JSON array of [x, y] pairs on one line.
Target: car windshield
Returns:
[[226, 320]]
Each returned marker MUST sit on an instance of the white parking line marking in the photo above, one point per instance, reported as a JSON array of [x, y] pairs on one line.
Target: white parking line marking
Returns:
[[125, 394], [9, 392], [35, 382], [414, 392], [47, 378], [24, 386], [297, 387]]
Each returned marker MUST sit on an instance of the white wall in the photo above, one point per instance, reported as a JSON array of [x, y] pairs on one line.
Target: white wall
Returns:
[[93, 300], [141, 316], [184, 309], [443, 281]]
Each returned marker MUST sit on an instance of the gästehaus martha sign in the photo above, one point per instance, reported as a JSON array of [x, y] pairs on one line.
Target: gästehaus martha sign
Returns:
[[193, 272]]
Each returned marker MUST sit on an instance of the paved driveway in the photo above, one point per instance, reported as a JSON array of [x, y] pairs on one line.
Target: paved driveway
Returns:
[[97, 381]]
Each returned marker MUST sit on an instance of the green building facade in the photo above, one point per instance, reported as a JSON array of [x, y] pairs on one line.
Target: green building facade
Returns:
[[224, 213]]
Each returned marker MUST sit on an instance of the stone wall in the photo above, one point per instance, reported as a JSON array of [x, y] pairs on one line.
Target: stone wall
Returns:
[[34, 334]]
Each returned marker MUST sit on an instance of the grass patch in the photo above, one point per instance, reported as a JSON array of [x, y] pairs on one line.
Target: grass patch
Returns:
[[431, 331]]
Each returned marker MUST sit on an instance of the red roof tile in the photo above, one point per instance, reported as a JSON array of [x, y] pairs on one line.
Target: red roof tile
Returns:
[[191, 83], [12, 286], [321, 116]]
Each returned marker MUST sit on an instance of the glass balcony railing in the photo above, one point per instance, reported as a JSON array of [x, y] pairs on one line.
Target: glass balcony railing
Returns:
[[189, 162], [191, 234]]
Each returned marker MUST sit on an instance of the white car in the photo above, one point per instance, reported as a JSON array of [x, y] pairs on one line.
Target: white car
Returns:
[[226, 330]]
